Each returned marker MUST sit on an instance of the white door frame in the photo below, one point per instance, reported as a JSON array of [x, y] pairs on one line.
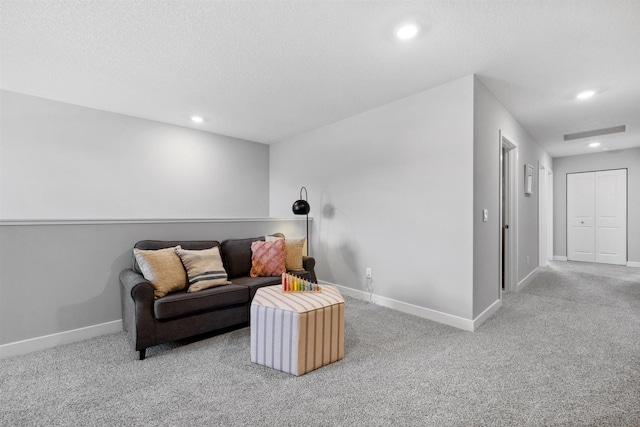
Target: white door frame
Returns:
[[511, 216]]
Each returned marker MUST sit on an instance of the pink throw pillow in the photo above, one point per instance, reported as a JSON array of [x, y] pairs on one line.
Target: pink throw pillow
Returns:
[[267, 258]]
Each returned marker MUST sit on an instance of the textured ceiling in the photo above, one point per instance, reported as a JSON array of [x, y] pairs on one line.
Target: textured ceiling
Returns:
[[269, 70]]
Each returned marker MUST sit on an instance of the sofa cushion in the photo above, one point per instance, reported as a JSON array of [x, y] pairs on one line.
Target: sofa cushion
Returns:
[[267, 258], [236, 255], [204, 268], [254, 283], [183, 303], [163, 269]]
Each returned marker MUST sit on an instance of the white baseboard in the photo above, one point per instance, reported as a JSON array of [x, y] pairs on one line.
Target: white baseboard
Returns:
[[426, 313], [490, 311], [629, 263], [19, 348], [524, 282]]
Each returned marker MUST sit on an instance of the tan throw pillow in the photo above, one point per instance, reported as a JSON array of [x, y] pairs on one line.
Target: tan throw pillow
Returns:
[[293, 252], [204, 268], [267, 258], [163, 269]]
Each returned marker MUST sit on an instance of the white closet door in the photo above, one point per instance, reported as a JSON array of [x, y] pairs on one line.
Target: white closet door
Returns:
[[611, 217], [597, 217], [580, 216]]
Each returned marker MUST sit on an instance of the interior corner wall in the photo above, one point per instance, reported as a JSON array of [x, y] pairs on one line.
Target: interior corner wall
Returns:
[[490, 117], [62, 161], [390, 189], [621, 159]]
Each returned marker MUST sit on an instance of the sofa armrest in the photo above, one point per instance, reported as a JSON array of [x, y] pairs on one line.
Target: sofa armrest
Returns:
[[137, 306], [309, 264], [135, 285]]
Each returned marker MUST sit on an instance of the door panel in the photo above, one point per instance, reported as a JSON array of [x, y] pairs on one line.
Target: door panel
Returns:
[[611, 217], [607, 241], [583, 244], [580, 217]]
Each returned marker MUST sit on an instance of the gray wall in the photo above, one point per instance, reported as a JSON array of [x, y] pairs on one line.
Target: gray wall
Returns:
[[401, 189], [621, 159], [486, 176], [68, 162], [59, 161], [490, 117], [61, 276], [529, 153], [390, 189]]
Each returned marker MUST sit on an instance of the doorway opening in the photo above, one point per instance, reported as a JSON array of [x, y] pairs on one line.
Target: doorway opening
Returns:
[[545, 215], [550, 255], [508, 214]]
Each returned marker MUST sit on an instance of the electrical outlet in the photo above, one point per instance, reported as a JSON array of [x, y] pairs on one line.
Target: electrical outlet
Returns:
[[368, 272], [527, 259]]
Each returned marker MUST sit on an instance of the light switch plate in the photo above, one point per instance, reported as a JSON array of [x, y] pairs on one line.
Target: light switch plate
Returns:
[[485, 215]]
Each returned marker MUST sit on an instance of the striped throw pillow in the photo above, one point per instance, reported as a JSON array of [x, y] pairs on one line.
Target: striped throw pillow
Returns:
[[204, 268]]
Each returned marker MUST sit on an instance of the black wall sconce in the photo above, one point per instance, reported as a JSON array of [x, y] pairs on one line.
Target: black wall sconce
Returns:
[[301, 207]]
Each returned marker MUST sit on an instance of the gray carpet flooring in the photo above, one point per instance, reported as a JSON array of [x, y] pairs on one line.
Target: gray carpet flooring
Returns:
[[563, 352]]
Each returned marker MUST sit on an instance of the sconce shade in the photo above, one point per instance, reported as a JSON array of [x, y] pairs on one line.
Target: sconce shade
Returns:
[[301, 207]]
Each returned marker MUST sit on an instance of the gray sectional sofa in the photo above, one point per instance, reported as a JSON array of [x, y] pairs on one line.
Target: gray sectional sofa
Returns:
[[178, 315]]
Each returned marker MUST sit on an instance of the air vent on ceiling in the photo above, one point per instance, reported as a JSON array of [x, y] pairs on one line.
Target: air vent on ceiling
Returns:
[[597, 132]]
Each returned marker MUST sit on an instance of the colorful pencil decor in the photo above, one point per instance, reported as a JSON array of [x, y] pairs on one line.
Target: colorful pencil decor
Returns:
[[291, 283]]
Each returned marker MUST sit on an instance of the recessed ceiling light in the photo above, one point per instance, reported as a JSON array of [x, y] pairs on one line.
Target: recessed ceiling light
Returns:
[[406, 31], [197, 119], [586, 94], [594, 144]]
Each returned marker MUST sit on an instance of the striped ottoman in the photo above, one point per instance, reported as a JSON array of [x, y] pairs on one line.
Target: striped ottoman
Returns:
[[297, 332]]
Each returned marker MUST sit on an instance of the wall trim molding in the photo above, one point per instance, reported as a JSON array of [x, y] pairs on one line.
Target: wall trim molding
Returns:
[[525, 282], [633, 264], [20, 348], [559, 258], [97, 221], [426, 313]]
